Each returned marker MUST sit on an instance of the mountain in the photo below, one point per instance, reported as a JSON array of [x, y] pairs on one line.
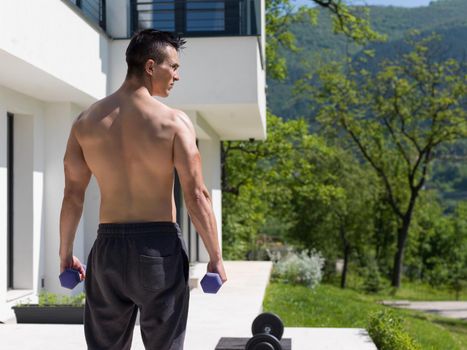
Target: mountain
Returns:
[[318, 44]]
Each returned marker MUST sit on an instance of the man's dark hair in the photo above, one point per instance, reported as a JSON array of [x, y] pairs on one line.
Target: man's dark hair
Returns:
[[149, 43]]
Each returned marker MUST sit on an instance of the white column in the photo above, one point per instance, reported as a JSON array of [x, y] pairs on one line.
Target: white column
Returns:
[[38, 202], [211, 160], [58, 122]]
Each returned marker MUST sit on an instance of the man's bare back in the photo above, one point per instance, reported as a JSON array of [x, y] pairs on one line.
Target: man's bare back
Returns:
[[127, 142], [132, 143]]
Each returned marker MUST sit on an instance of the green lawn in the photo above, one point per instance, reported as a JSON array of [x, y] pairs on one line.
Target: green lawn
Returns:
[[420, 292], [330, 306], [414, 291]]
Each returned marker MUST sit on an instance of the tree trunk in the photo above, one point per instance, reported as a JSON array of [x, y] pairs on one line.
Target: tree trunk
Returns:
[[345, 268], [403, 232], [346, 246]]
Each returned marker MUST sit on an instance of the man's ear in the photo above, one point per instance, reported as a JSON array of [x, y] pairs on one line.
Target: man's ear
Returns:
[[149, 66]]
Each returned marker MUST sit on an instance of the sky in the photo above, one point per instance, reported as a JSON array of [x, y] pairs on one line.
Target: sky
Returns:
[[402, 3]]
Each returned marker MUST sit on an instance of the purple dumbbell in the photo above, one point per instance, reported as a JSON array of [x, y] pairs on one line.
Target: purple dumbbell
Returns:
[[70, 278], [211, 283]]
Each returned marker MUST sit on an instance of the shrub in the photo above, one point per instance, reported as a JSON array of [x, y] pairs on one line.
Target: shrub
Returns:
[[55, 299], [373, 282], [386, 330], [304, 268]]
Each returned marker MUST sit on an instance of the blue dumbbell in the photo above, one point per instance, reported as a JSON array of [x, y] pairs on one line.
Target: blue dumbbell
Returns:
[[70, 278], [211, 282]]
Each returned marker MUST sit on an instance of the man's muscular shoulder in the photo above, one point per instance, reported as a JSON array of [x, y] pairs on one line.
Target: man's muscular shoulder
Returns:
[[182, 122], [81, 123]]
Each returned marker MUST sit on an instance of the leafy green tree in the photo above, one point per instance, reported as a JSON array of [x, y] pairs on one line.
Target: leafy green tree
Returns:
[[458, 253], [248, 155], [255, 183], [293, 178], [397, 118], [351, 21], [442, 248], [429, 224], [354, 210]]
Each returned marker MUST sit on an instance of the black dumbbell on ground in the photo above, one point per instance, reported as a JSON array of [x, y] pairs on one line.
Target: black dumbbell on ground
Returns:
[[267, 329]]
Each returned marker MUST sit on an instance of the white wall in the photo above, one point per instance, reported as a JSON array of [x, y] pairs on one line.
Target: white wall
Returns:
[[58, 121], [28, 222], [212, 70], [263, 31], [117, 64], [211, 163], [118, 18], [41, 132], [91, 214], [49, 36], [38, 200], [3, 206], [220, 77], [261, 93]]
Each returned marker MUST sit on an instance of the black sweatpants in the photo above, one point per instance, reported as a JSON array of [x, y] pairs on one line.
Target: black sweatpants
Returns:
[[135, 266]]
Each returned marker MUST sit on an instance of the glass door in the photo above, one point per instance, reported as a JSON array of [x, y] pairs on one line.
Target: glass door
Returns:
[[10, 197]]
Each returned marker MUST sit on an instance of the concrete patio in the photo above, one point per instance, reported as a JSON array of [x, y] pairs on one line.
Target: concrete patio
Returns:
[[226, 314]]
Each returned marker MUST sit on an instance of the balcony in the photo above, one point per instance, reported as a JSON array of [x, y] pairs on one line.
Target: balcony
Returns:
[[198, 18], [189, 18]]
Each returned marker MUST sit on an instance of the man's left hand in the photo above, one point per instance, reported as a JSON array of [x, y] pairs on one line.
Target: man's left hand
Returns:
[[72, 262]]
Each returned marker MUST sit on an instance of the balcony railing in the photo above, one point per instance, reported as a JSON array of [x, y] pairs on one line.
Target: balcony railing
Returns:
[[93, 10], [197, 17]]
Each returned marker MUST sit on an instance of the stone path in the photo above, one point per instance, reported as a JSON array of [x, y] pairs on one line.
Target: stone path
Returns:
[[451, 309]]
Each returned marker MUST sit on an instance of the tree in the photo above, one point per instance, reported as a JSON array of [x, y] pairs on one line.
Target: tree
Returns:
[[295, 178], [458, 254], [397, 118], [256, 177], [353, 212], [254, 174], [280, 14]]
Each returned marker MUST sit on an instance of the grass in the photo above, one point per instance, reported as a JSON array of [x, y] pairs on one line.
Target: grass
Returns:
[[330, 306], [413, 291], [421, 292]]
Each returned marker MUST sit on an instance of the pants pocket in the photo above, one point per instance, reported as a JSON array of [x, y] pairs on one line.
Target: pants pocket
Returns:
[[158, 273]]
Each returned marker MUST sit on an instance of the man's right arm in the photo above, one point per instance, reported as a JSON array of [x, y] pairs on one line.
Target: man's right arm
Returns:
[[187, 161]]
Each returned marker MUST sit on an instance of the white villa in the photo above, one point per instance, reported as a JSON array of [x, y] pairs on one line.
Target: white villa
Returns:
[[59, 56]]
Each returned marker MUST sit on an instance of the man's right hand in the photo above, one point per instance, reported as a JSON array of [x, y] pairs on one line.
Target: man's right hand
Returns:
[[217, 267]]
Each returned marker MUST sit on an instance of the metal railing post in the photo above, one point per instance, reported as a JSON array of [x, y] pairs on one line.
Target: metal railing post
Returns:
[[102, 15], [133, 17]]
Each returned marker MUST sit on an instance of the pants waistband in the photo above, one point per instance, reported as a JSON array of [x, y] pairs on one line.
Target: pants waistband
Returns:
[[137, 228]]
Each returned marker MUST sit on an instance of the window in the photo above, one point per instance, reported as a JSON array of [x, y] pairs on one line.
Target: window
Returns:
[[205, 16], [196, 17], [156, 14]]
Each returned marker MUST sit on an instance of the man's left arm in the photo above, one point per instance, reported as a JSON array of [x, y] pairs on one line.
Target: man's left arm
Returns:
[[77, 177]]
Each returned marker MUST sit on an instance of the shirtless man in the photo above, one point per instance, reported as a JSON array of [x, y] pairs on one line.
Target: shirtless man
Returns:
[[131, 143]]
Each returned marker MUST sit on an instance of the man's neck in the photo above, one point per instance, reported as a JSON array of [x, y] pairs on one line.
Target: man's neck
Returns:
[[136, 86]]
